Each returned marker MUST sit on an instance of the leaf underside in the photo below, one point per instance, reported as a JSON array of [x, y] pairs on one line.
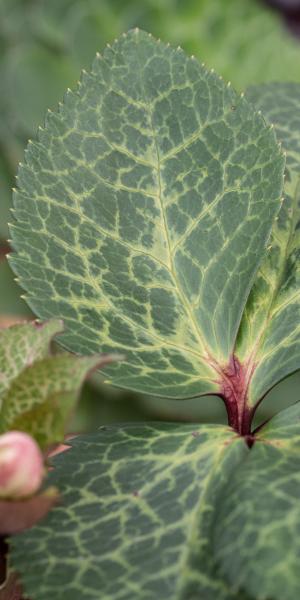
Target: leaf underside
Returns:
[[141, 217], [170, 511], [269, 337]]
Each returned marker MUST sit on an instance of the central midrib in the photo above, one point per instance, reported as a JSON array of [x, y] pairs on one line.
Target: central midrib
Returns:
[[171, 267]]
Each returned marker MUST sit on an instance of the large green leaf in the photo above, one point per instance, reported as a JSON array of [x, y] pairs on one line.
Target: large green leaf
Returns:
[[269, 339], [136, 517], [141, 216], [257, 534]]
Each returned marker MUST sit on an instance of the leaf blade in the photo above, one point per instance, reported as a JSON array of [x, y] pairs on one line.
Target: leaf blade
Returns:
[[41, 400], [259, 518], [269, 334], [138, 492], [21, 345], [133, 193]]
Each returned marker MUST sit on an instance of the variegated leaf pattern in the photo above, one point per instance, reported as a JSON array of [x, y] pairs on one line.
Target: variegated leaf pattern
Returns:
[[136, 517], [21, 345], [41, 400], [257, 541], [269, 338], [141, 216], [38, 391]]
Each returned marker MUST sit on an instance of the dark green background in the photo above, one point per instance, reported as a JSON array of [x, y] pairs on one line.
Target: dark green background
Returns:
[[43, 46]]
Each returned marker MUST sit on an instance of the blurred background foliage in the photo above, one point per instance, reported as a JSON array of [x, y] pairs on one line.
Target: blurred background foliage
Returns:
[[43, 46]]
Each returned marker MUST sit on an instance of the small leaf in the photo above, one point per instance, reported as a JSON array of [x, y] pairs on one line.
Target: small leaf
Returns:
[[38, 392], [141, 216], [41, 400], [22, 345], [256, 538], [136, 517], [269, 340]]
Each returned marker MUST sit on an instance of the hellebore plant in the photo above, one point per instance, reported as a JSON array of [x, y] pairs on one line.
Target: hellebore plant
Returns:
[[153, 217]]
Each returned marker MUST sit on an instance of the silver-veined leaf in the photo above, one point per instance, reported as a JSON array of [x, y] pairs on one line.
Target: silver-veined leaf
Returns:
[[269, 338], [141, 216]]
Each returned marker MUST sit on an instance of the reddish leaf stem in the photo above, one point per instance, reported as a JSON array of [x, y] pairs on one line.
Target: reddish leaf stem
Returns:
[[234, 388]]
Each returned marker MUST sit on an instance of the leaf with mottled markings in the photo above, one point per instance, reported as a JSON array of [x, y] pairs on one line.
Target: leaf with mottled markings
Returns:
[[269, 338], [136, 517], [21, 345], [38, 391], [256, 539], [141, 219]]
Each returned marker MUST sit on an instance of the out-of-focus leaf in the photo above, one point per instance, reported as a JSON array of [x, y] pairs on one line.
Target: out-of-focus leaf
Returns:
[[38, 392], [41, 400]]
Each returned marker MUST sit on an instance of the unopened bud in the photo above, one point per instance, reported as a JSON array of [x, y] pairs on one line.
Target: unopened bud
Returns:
[[21, 465]]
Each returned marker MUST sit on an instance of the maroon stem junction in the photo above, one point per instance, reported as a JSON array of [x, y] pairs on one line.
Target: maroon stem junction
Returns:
[[234, 383]]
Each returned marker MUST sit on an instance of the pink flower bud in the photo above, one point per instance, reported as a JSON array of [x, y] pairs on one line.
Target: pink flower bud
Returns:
[[21, 465]]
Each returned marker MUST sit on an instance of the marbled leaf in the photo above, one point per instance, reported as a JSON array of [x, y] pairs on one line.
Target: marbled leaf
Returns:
[[141, 216], [38, 391], [20, 346], [269, 337], [136, 517], [41, 400], [256, 539]]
